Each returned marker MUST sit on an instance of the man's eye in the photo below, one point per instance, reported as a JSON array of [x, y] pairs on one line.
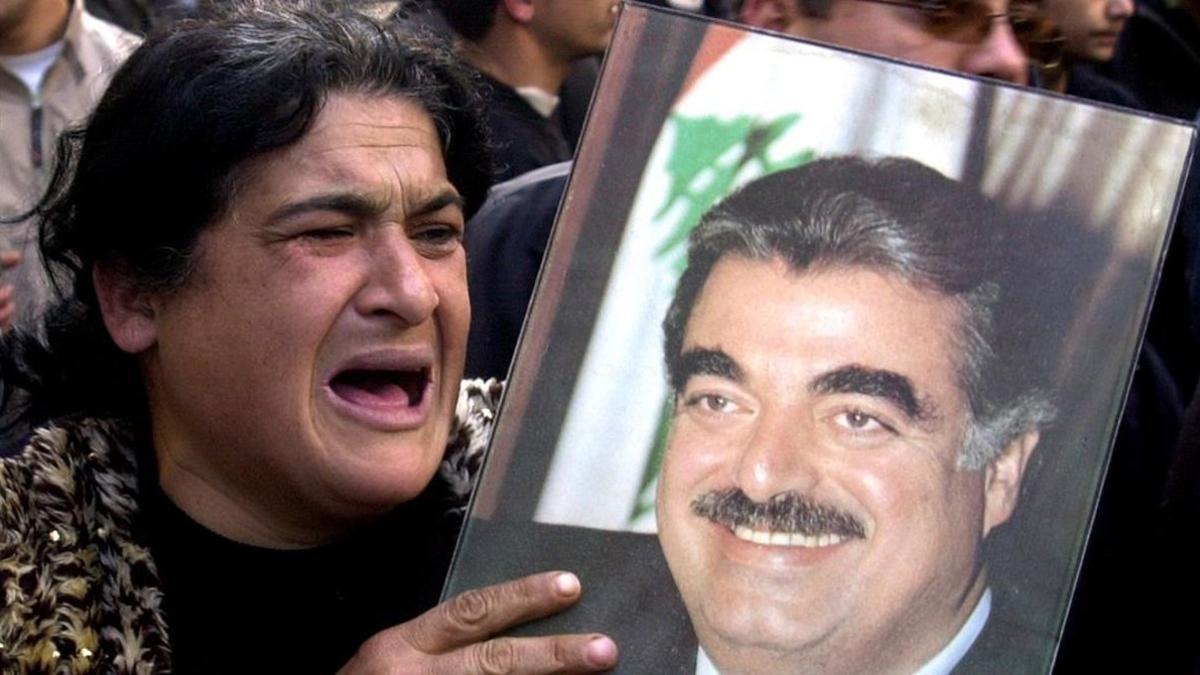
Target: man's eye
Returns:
[[860, 422], [711, 403]]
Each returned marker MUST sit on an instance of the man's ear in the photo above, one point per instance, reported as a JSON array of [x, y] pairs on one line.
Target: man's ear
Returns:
[[128, 310], [774, 15], [520, 11], [1002, 480]]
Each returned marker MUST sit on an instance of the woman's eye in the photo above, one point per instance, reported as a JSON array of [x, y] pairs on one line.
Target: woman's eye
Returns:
[[327, 233], [438, 234]]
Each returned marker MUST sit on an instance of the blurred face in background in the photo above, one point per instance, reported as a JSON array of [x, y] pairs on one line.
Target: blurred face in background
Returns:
[[29, 25], [1091, 27], [970, 37], [574, 28]]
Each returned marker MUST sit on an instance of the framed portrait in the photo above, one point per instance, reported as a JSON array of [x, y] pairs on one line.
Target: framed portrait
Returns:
[[812, 446]]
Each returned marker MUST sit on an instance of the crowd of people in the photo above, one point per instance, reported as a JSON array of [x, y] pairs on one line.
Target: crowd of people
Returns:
[[247, 375]]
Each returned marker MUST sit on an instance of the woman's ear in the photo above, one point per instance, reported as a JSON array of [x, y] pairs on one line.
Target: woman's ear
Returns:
[[129, 313]]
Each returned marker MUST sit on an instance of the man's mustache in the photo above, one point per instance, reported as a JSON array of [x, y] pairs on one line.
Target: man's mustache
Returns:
[[788, 512]]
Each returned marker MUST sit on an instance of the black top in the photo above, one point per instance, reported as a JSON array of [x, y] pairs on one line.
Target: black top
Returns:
[[1158, 58], [1083, 81], [505, 243], [234, 608], [522, 138]]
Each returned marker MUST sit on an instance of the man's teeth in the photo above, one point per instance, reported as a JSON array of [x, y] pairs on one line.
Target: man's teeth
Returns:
[[768, 538]]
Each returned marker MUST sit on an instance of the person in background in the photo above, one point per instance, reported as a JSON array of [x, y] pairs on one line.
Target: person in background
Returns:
[[1158, 57], [980, 37], [55, 60], [525, 49], [1090, 30]]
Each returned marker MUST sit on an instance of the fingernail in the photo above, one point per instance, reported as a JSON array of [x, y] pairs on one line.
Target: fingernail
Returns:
[[601, 652], [567, 584]]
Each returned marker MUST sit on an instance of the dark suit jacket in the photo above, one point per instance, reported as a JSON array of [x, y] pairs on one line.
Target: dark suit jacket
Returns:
[[1007, 645], [628, 594]]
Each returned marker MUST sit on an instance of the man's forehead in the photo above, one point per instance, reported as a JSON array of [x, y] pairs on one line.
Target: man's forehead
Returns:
[[857, 311], [736, 265]]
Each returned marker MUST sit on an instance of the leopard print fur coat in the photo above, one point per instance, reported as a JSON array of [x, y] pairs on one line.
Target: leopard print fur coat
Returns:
[[80, 592]]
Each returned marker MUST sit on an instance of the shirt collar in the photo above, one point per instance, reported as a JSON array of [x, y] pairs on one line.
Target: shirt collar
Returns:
[[945, 661], [83, 55], [942, 663], [539, 99], [704, 665]]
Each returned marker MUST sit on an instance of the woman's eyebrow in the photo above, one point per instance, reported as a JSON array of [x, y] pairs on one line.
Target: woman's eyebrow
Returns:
[[363, 205], [350, 203]]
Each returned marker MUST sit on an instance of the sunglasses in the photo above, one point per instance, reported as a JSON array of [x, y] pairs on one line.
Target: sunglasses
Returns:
[[970, 22]]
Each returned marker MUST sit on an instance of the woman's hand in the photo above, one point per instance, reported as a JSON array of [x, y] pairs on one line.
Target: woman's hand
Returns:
[[455, 638]]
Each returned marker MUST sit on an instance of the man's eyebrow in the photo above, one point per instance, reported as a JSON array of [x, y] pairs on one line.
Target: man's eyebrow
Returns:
[[885, 384], [703, 361], [363, 206]]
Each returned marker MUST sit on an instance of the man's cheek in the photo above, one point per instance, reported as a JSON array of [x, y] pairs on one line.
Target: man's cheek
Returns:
[[697, 455]]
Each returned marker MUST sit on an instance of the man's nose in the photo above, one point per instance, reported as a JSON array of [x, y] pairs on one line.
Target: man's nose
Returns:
[[397, 282], [779, 456], [999, 56]]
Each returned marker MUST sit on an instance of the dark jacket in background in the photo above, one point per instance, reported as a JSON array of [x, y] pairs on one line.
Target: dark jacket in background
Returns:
[[505, 243], [522, 139]]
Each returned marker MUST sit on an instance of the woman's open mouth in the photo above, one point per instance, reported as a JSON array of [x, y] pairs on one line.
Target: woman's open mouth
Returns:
[[382, 388], [386, 391]]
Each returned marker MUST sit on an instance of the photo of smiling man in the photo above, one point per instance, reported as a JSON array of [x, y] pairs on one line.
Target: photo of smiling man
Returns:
[[840, 447], [824, 361], [855, 401]]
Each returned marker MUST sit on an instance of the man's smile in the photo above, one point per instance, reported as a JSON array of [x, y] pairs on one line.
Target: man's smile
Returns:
[[769, 538]]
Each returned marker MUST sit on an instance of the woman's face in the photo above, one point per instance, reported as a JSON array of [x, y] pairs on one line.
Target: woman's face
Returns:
[[305, 379]]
